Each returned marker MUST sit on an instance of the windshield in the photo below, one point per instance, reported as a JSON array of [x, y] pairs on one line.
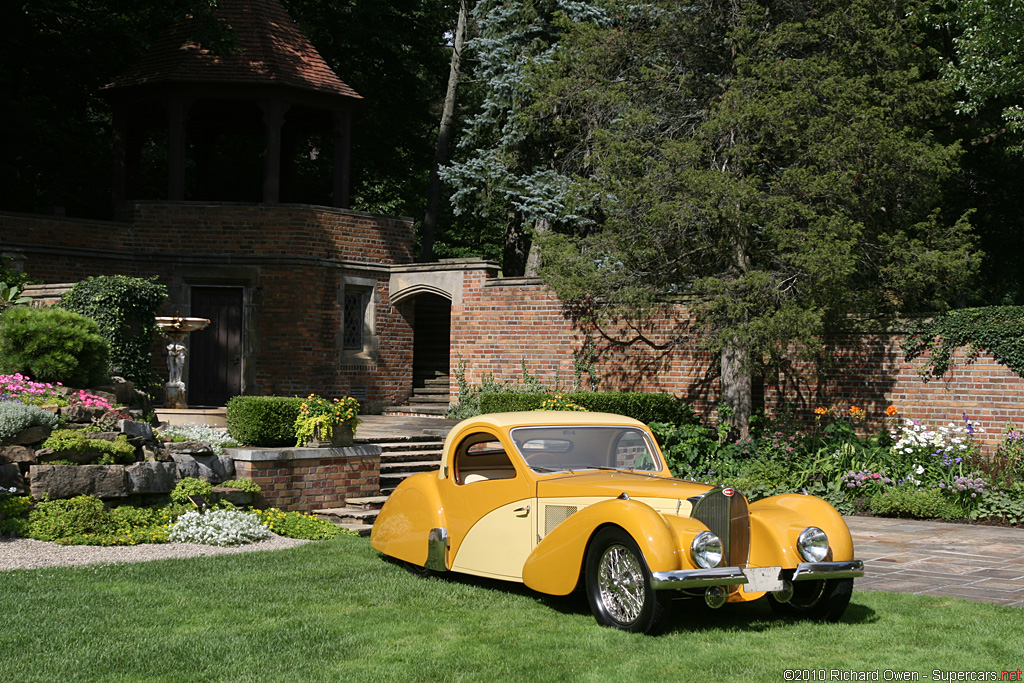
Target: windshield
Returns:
[[556, 449]]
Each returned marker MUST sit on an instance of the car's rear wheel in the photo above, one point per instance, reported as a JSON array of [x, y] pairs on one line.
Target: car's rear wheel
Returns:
[[618, 584], [818, 600]]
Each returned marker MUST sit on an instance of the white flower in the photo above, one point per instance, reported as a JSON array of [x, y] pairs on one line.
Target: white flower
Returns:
[[218, 527], [919, 470]]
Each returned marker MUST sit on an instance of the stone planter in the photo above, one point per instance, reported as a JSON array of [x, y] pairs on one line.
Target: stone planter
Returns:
[[342, 434]]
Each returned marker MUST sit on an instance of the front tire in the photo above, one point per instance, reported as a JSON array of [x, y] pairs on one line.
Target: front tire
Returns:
[[618, 584], [824, 600]]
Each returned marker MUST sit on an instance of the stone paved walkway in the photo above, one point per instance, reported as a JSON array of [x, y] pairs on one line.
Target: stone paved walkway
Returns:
[[979, 563]]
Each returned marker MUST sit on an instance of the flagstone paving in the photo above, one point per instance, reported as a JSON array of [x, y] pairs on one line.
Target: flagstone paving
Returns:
[[979, 563]]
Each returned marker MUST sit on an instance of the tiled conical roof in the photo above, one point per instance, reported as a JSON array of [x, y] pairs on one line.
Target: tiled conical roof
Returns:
[[273, 51]]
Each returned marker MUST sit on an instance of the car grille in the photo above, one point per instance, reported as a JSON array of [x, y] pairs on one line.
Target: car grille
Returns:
[[726, 517], [556, 514]]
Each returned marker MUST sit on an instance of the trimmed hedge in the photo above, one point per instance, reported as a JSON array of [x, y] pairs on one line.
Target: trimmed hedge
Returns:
[[263, 420], [53, 345], [646, 407]]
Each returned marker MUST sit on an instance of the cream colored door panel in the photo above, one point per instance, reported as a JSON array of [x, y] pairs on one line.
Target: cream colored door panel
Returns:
[[499, 543]]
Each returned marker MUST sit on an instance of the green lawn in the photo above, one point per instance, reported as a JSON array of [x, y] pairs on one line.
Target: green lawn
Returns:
[[335, 611]]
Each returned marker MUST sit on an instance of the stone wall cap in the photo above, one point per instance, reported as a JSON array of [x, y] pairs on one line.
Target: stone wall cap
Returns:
[[300, 453], [446, 265]]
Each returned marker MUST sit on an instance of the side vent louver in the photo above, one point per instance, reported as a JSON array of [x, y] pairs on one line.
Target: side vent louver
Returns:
[[556, 514]]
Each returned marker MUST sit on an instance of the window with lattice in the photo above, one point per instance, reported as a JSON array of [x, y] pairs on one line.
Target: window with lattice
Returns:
[[355, 313]]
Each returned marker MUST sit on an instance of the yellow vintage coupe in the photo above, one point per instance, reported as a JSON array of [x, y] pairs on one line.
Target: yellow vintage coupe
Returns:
[[560, 500]]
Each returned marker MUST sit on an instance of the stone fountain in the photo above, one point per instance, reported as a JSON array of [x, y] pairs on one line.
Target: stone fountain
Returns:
[[176, 328]]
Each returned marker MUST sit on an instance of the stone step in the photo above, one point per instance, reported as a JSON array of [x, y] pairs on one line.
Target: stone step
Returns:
[[439, 381], [411, 456], [399, 446], [411, 466], [420, 410], [430, 391], [429, 399], [347, 515], [389, 481], [366, 502]]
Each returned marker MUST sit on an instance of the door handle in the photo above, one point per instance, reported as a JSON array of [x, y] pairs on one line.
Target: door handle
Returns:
[[524, 510]]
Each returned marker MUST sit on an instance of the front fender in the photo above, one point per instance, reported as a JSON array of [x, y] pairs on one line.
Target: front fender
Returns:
[[404, 524], [554, 565], [776, 522]]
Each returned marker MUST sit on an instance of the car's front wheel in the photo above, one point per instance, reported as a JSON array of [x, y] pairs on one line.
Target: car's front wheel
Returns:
[[824, 600], [618, 584]]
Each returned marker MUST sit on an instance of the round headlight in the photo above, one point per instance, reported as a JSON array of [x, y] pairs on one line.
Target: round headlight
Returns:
[[813, 544], [706, 550]]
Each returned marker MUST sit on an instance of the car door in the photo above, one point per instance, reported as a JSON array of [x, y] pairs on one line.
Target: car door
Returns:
[[490, 509]]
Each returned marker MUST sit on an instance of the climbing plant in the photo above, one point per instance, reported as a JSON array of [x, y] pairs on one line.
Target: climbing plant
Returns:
[[125, 308], [996, 329]]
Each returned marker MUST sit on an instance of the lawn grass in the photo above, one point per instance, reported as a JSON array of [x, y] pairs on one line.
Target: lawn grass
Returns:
[[335, 611]]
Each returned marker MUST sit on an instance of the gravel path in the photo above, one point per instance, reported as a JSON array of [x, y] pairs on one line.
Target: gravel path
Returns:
[[25, 553]]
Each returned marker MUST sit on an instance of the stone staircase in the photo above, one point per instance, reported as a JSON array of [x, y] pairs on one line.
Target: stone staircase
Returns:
[[431, 399], [398, 460]]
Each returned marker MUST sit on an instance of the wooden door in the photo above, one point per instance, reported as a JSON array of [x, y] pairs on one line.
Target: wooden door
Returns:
[[215, 354]]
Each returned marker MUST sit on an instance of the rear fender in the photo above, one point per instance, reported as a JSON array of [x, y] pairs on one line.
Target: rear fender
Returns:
[[555, 564], [776, 522], [404, 525]]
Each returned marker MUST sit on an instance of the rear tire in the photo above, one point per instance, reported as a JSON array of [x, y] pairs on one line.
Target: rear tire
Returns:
[[618, 584], [824, 600]]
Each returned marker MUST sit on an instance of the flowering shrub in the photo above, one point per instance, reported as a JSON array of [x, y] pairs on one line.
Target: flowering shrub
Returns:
[[319, 414], [218, 527], [559, 402], [217, 438], [190, 486], [299, 525], [19, 387], [934, 455]]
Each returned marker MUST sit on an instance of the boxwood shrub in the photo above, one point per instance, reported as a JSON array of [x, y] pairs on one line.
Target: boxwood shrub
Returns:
[[263, 420], [53, 345], [643, 406]]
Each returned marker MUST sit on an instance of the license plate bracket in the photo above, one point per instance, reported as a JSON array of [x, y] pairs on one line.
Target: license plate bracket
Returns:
[[763, 579]]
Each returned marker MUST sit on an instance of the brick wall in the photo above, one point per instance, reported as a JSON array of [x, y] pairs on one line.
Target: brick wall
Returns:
[[306, 479], [503, 324]]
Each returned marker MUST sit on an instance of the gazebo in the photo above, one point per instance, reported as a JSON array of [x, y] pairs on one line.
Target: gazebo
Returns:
[[269, 81]]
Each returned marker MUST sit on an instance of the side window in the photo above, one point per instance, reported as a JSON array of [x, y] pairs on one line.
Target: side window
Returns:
[[480, 457], [631, 452]]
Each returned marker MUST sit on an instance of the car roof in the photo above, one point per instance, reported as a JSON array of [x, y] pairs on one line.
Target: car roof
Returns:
[[541, 418]]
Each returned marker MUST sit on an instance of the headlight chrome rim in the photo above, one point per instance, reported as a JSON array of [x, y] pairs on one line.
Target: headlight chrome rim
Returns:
[[706, 550], [813, 544]]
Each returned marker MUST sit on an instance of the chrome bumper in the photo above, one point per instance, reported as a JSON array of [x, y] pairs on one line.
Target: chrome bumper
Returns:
[[732, 576]]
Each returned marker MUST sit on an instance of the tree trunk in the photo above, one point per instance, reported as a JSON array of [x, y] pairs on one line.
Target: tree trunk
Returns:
[[736, 391], [533, 258], [513, 262], [444, 133]]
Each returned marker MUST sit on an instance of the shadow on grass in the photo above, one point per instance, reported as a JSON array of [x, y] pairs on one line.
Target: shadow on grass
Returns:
[[688, 614]]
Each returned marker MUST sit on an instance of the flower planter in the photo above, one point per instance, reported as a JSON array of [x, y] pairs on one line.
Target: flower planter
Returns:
[[342, 434]]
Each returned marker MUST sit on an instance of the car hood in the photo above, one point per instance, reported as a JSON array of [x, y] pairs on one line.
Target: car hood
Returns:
[[613, 484]]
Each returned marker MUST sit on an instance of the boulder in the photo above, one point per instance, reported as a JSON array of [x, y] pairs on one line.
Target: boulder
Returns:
[[133, 429], [29, 436], [45, 455], [192, 448], [190, 467], [151, 477], [68, 481], [17, 454], [234, 496], [83, 414], [123, 391], [222, 466], [10, 478]]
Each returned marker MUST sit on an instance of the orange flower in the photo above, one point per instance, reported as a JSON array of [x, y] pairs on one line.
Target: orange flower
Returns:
[[857, 412], [891, 410], [820, 411]]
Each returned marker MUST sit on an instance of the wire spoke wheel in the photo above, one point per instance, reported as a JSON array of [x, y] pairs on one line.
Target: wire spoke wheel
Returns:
[[618, 584], [621, 581]]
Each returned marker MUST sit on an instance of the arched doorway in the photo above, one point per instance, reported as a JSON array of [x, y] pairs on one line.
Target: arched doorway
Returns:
[[431, 351]]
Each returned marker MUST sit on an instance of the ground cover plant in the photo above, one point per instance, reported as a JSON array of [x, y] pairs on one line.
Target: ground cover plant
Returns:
[[336, 611]]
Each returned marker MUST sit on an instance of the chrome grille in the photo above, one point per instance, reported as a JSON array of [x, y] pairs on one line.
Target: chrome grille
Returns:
[[556, 514], [726, 517]]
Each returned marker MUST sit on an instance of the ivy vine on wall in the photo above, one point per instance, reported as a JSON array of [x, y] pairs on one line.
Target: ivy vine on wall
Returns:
[[125, 308], [996, 329]]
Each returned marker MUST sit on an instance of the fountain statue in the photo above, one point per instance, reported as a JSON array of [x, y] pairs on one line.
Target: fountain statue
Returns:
[[176, 328]]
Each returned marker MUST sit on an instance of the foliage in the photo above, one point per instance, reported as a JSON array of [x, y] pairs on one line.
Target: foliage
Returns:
[[643, 406], [74, 441], [908, 501], [125, 309], [753, 158], [263, 420], [16, 416], [52, 345], [55, 520], [10, 295], [190, 486], [319, 414], [468, 403], [14, 513], [217, 527], [996, 329], [1002, 506], [247, 485], [18, 387], [557, 401], [217, 438], [299, 525]]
